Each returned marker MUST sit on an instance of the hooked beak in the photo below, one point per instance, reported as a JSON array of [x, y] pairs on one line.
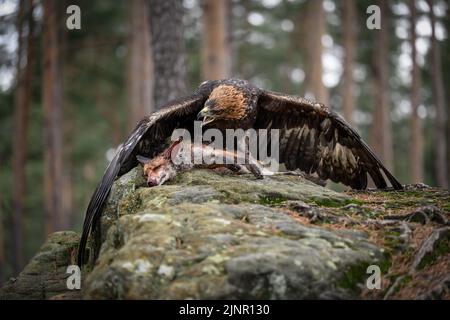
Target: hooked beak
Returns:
[[203, 113], [205, 116]]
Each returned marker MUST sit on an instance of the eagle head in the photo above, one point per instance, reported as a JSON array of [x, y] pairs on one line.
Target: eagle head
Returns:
[[225, 103]]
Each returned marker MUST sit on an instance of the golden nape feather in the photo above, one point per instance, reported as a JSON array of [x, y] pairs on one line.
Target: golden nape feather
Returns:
[[229, 99]]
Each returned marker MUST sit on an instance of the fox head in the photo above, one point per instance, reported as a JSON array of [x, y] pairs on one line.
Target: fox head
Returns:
[[161, 168]]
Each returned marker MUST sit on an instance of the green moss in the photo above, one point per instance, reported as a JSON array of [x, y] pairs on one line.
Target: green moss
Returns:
[[386, 263], [130, 203], [413, 198], [407, 279], [392, 240], [355, 201], [332, 202], [353, 276], [271, 199], [87, 268], [226, 194], [392, 244], [357, 274]]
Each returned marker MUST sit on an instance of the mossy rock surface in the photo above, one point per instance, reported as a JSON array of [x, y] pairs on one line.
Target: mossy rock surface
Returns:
[[208, 236], [211, 236], [45, 275]]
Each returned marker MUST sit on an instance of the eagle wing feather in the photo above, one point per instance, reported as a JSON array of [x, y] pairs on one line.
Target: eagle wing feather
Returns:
[[315, 139], [150, 132]]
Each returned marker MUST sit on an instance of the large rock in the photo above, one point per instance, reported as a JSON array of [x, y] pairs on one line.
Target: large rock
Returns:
[[207, 236], [45, 275], [210, 236]]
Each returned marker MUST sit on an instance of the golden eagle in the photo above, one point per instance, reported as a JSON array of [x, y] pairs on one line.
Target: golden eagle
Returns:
[[313, 138]]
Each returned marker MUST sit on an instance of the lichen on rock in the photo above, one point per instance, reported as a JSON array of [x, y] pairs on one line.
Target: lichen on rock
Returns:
[[210, 236], [45, 275]]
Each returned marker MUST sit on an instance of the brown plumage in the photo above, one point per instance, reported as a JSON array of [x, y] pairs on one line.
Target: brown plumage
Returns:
[[312, 138], [229, 100]]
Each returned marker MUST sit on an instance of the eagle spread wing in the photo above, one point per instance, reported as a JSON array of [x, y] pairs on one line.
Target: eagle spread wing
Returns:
[[312, 138], [317, 140], [147, 137]]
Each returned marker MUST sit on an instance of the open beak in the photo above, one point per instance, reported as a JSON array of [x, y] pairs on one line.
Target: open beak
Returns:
[[205, 116], [203, 113]]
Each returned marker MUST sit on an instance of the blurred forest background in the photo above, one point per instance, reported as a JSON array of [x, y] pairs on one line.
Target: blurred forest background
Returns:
[[68, 98]]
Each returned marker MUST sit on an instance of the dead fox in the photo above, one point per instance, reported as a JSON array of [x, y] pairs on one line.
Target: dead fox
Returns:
[[174, 159], [168, 163]]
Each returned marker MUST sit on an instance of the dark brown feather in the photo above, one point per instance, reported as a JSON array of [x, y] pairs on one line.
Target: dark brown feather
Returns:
[[147, 139], [317, 140]]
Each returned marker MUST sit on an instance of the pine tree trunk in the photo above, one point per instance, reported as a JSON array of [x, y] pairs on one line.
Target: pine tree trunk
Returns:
[[52, 110], [380, 131], [140, 63], [68, 133], [216, 60], [349, 42], [67, 192], [314, 29], [2, 249], [167, 33], [448, 95], [22, 105], [416, 151], [439, 102]]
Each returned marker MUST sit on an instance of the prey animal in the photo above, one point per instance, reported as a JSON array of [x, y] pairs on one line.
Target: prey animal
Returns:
[[169, 163], [179, 157], [313, 138]]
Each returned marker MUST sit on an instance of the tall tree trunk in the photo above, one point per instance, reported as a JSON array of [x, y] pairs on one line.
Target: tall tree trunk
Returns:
[[416, 151], [314, 29], [380, 131], [140, 63], [166, 23], [52, 110], [22, 105], [349, 42], [68, 133], [439, 102], [447, 52], [2, 248], [216, 60]]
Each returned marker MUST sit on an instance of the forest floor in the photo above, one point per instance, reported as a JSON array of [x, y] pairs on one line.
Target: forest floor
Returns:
[[414, 226]]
